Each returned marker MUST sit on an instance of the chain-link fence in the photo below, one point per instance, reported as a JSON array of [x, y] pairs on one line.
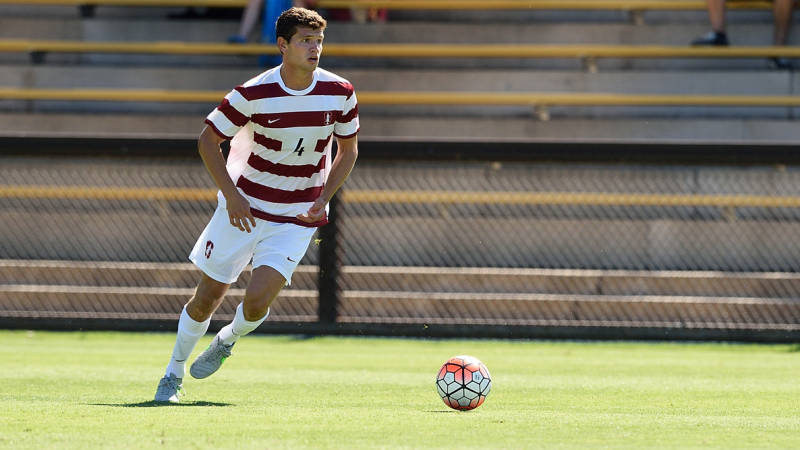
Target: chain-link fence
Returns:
[[426, 242]]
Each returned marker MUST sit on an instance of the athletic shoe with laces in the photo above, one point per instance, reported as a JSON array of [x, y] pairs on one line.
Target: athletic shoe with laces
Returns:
[[211, 359], [712, 38], [170, 389]]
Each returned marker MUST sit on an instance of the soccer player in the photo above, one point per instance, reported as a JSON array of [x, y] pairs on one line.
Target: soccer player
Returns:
[[273, 190]]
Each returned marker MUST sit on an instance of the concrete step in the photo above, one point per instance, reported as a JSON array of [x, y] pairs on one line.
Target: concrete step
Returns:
[[538, 17], [23, 301], [570, 310], [142, 29], [135, 29], [752, 82], [395, 15], [183, 277], [561, 127], [39, 301], [488, 15], [73, 12], [680, 33]]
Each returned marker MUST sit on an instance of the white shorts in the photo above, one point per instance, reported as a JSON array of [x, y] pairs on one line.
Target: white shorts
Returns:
[[223, 251]]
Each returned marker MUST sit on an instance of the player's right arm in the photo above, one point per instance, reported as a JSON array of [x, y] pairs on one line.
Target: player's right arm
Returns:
[[237, 205]]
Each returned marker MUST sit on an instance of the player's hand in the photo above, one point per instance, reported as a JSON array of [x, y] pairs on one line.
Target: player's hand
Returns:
[[239, 212], [315, 213]]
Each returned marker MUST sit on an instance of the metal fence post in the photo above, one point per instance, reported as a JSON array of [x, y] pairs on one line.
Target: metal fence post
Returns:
[[329, 264]]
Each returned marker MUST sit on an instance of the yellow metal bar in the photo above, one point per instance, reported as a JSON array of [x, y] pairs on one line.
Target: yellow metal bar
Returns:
[[567, 198], [514, 5], [107, 193], [624, 5], [553, 51], [418, 197], [122, 95], [639, 5], [571, 99], [155, 47], [406, 50], [422, 98], [163, 3]]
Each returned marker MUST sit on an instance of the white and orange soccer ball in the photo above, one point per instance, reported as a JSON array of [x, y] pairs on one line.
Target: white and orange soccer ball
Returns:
[[463, 382]]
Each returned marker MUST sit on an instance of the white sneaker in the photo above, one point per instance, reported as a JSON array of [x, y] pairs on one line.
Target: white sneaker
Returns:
[[211, 359], [170, 389]]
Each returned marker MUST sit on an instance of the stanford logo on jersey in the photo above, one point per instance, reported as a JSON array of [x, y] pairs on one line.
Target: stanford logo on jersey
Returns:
[[327, 118], [209, 247]]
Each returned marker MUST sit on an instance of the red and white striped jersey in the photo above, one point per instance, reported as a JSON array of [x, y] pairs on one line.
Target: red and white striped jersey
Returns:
[[281, 140]]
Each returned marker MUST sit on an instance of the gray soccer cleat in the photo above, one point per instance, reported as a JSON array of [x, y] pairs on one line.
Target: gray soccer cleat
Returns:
[[170, 389], [211, 359]]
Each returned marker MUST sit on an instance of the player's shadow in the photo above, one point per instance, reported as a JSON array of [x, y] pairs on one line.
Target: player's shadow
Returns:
[[154, 404]]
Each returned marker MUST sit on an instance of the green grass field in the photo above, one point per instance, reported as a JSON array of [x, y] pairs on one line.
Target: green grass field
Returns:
[[91, 390]]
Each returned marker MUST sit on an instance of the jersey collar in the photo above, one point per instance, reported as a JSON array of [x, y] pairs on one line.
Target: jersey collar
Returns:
[[292, 91]]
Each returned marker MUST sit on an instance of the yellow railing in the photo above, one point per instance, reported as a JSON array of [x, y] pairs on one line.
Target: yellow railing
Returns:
[[623, 5], [418, 197], [422, 97], [405, 50]]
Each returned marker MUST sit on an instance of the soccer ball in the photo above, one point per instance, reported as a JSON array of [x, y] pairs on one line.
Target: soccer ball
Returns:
[[463, 382]]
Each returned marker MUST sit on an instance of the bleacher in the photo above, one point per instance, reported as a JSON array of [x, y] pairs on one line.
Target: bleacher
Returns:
[[614, 69]]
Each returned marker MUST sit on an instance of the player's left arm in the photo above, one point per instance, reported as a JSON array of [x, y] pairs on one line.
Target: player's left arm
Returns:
[[346, 155]]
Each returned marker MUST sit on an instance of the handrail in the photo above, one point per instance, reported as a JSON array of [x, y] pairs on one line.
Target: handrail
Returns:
[[622, 5], [405, 50], [421, 97], [404, 4], [418, 196]]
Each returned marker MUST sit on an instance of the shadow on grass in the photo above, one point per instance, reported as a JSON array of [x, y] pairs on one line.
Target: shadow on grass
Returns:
[[794, 349], [445, 411], [154, 404], [302, 337]]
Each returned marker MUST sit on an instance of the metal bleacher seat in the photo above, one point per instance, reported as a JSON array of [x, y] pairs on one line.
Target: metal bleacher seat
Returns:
[[624, 5], [539, 102]]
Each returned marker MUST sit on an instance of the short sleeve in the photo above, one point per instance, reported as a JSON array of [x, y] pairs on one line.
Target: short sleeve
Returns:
[[347, 125], [231, 115]]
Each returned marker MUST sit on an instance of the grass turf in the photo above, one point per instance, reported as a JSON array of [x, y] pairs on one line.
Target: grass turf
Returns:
[[87, 390]]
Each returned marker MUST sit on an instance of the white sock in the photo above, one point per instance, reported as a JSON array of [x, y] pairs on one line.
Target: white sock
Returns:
[[189, 332], [231, 332]]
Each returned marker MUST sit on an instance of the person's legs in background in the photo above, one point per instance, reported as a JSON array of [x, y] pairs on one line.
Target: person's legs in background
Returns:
[[782, 10], [716, 15], [249, 20]]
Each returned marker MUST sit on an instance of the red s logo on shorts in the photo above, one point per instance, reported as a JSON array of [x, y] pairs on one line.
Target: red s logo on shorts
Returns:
[[209, 247]]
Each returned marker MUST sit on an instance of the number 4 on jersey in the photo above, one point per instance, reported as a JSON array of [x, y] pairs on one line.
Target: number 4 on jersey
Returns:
[[299, 148]]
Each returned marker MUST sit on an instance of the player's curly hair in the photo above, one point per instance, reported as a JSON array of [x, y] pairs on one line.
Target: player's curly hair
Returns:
[[289, 20]]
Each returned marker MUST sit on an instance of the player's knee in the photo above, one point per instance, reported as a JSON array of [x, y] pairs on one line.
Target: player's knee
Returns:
[[210, 290], [199, 311], [206, 299], [254, 309]]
